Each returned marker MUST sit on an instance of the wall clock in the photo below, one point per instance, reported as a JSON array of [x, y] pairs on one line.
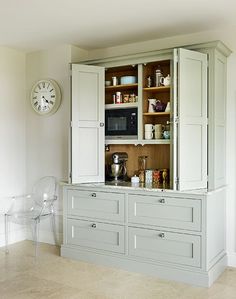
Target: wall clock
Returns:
[[45, 97]]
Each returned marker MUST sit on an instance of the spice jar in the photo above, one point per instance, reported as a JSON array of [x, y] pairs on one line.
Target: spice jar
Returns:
[[165, 175], [126, 98]]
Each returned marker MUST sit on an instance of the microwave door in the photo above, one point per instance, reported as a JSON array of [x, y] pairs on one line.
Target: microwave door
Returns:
[[121, 122]]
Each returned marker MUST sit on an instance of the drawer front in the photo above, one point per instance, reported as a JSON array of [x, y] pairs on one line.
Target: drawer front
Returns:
[[101, 205], [165, 246], [167, 211], [96, 235]]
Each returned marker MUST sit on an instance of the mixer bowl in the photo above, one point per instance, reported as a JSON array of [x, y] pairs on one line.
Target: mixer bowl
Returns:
[[116, 170]]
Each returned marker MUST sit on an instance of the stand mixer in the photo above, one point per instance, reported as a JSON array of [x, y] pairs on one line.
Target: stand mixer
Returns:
[[118, 171]]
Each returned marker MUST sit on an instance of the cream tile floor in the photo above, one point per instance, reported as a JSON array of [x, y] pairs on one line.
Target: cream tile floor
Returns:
[[51, 276]]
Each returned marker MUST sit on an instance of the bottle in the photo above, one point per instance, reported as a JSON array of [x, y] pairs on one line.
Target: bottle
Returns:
[[118, 97], [158, 76], [114, 81], [149, 81], [142, 161]]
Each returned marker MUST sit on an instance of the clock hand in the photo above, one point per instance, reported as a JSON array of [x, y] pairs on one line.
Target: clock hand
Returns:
[[45, 99]]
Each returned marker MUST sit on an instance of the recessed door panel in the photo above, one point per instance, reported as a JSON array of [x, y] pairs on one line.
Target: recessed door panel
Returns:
[[190, 119], [87, 132]]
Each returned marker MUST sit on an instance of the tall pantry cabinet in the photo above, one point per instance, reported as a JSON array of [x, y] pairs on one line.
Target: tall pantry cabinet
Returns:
[[177, 232], [195, 154]]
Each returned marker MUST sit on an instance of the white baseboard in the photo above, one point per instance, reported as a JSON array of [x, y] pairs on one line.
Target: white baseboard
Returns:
[[47, 237], [192, 276], [232, 260], [14, 237]]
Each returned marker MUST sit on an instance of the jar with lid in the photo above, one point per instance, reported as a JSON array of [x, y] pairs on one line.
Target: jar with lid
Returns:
[[142, 161], [158, 76]]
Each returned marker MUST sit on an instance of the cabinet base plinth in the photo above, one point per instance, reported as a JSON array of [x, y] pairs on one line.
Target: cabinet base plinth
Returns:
[[192, 276]]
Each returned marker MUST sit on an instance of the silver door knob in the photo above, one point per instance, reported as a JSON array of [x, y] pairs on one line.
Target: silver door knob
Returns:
[[94, 225], [101, 124], [162, 235], [162, 200], [93, 194]]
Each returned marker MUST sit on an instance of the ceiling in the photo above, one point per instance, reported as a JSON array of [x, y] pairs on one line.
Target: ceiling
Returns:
[[31, 25]]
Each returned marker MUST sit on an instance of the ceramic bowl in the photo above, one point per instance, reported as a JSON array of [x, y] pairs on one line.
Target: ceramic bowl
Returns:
[[128, 80], [107, 83]]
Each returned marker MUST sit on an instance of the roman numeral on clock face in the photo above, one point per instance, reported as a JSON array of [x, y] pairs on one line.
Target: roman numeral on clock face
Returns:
[[52, 96], [51, 102], [36, 103]]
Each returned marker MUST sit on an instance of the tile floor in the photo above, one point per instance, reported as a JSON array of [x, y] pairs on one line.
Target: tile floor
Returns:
[[51, 276]]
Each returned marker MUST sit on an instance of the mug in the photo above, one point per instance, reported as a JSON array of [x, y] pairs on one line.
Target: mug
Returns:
[[166, 134], [148, 135], [148, 127], [158, 131], [158, 127], [158, 135]]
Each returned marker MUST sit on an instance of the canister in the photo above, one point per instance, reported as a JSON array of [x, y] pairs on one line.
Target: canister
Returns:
[[148, 176]]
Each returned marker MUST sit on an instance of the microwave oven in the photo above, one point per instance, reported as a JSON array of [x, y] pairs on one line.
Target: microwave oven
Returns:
[[121, 123]]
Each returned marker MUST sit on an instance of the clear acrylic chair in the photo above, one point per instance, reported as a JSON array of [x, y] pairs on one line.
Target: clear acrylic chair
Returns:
[[30, 209]]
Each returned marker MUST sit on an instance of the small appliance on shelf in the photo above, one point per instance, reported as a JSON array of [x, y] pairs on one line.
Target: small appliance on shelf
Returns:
[[117, 169]]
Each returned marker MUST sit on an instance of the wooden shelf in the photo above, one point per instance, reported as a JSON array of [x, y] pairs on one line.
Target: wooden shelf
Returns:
[[121, 105], [159, 88], [124, 86], [156, 113], [137, 142]]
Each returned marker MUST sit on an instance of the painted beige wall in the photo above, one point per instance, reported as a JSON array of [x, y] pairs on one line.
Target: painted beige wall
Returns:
[[47, 136], [12, 133]]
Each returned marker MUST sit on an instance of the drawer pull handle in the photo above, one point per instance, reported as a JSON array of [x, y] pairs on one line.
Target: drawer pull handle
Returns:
[[93, 194], [162, 235], [162, 200], [94, 225]]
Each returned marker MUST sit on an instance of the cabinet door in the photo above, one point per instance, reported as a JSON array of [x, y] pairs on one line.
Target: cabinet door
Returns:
[[190, 119], [87, 148]]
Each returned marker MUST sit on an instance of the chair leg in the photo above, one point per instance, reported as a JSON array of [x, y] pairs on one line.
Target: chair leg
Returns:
[[53, 224], [6, 233], [36, 236]]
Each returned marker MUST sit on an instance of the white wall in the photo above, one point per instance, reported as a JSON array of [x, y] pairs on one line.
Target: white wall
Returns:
[[12, 133], [47, 136]]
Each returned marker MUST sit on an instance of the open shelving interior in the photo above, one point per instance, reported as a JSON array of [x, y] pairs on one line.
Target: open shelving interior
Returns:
[[125, 89], [157, 150], [158, 156], [160, 93]]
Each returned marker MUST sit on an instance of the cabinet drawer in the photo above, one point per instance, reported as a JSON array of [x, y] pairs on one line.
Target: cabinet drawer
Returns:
[[167, 211], [101, 205], [95, 235], [165, 246]]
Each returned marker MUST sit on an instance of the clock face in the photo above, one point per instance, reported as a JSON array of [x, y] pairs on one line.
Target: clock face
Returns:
[[45, 97]]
